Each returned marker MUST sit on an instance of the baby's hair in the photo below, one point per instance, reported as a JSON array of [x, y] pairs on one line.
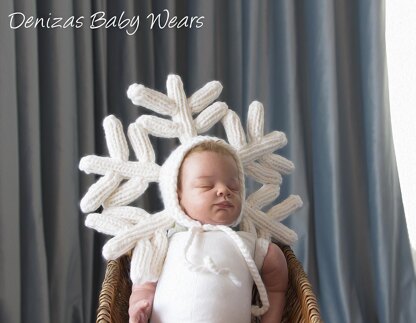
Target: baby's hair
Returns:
[[209, 146], [206, 146]]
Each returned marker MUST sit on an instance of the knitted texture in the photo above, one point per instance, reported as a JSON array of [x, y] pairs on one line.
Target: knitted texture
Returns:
[[123, 180], [169, 177]]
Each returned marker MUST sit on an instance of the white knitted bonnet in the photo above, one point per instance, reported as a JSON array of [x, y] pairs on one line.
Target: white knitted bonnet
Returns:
[[169, 176], [123, 180]]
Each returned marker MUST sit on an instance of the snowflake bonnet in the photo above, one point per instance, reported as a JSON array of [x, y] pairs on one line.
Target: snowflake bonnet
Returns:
[[123, 180]]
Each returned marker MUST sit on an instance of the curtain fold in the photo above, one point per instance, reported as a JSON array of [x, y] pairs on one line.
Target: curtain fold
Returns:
[[319, 68], [32, 235], [10, 264]]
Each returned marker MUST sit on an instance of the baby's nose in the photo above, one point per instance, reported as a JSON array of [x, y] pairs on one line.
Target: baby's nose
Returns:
[[223, 191]]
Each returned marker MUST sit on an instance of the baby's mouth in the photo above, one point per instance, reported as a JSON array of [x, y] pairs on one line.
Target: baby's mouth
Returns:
[[224, 205]]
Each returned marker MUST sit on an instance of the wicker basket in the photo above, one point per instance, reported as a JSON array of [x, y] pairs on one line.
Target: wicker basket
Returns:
[[301, 304]]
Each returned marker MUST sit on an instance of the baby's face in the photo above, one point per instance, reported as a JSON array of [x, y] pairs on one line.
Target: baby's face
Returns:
[[210, 189]]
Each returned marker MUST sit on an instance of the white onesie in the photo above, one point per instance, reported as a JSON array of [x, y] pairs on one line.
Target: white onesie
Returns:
[[185, 294]]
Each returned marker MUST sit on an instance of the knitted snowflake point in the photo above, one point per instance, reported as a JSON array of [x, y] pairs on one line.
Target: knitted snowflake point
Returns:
[[123, 181]]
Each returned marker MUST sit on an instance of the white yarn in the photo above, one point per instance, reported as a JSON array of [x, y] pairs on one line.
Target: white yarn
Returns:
[[183, 116], [116, 142], [285, 208], [247, 225], [127, 192], [255, 310], [151, 99], [209, 266], [100, 191], [159, 127], [263, 222], [124, 181], [277, 163], [268, 144], [234, 130], [160, 247], [142, 255], [122, 169], [255, 124], [210, 116], [263, 196], [204, 96], [125, 240]]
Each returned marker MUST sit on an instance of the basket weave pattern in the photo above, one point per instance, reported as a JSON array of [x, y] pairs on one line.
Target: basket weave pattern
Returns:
[[301, 303]]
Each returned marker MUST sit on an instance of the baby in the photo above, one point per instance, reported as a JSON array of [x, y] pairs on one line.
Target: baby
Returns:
[[210, 191]]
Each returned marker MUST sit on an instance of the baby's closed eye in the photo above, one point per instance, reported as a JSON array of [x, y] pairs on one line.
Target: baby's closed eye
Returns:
[[207, 187], [204, 185], [234, 185]]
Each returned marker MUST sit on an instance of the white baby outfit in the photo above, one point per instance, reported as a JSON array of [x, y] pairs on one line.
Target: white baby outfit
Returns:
[[184, 295]]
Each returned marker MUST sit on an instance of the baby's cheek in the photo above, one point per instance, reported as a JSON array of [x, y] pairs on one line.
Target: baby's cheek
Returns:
[[196, 201]]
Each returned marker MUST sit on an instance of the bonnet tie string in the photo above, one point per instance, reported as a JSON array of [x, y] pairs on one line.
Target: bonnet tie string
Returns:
[[210, 266]]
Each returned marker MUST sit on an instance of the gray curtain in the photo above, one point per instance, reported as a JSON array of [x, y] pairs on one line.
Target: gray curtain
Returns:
[[318, 66]]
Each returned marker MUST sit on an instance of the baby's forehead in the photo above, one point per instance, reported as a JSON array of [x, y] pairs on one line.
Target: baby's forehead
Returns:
[[199, 166], [199, 157], [206, 163]]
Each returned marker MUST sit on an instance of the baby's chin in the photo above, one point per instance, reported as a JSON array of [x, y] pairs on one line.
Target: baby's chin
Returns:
[[220, 217]]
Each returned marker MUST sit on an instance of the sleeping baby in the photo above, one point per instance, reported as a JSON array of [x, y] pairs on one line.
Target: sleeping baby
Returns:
[[210, 266]]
